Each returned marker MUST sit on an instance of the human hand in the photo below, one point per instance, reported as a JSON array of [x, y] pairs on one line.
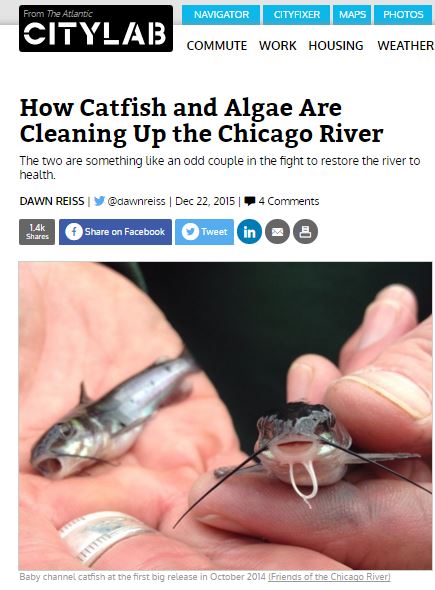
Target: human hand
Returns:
[[84, 322], [381, 392]]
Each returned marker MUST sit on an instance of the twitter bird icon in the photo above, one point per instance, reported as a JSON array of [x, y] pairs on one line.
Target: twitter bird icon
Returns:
[[99, 200]]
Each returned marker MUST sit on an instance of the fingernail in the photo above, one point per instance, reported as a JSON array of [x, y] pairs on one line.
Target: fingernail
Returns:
[[300, 378], [398, 389], [397, 293], [379, 320], [222, 523]]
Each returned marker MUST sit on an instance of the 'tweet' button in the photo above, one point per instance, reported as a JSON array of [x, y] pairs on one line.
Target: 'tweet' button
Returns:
[[204, 232]]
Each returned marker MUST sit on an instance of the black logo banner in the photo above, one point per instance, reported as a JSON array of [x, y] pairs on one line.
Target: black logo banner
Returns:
[[96, 28]]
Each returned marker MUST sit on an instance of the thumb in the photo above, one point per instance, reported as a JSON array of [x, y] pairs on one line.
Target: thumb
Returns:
[[387, 405]]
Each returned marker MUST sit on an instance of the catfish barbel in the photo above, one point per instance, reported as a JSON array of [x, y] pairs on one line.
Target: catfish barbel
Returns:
[[304, 445], [101, 430]]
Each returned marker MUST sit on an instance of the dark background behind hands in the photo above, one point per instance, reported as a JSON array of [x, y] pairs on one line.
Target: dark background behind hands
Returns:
[[246, 322]]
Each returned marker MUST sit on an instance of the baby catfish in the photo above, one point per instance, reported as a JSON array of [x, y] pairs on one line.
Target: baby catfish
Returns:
[[305, 446], [101, 430]]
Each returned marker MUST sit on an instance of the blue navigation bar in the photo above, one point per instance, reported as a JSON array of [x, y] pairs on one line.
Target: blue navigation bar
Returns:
[[352, 14], [403, 14], [306, 14], [115, 232], [296, 14], [204, 232], [220, 14]]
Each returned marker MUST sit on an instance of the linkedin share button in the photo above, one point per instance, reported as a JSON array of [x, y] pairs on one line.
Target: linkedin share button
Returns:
[[204, 232], [249, 231], [115, 232]]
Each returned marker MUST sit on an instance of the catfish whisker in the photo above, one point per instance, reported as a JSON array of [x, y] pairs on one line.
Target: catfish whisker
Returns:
[[220, 482]]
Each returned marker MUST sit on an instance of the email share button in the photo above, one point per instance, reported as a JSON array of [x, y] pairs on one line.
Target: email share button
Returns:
[[277, 231], [204, 232]]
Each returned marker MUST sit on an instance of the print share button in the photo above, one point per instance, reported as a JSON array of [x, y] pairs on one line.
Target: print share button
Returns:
[[204, 232]]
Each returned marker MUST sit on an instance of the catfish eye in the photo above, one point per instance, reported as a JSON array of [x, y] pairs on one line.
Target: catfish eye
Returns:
[[266, 428], [321, 428], [326, 425], [66, 430], [331, 420]]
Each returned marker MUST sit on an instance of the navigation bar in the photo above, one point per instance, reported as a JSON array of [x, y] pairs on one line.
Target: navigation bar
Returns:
[[306, 14]]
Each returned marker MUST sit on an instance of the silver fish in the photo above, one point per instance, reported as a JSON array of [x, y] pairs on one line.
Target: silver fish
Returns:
[[304, 445], [101, 430]]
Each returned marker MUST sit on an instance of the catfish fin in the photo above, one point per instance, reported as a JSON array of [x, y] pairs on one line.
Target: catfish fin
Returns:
[[161, 360], [127, 427], [84, 397], [379, 457], [222, 471], [185, 355]]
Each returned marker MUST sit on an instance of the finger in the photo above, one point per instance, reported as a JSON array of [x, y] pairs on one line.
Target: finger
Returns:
[[152, 551], [308, 377], [392, 314], [272, 556], [377, 515], [41, 548], [229, 551], [64, 500], [388, 404]]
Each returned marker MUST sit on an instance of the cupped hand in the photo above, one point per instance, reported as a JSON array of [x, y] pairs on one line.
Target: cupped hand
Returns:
[[382, 393], [84, 322]]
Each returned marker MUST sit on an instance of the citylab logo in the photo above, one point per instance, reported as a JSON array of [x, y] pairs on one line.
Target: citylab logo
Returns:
[[96, 28]]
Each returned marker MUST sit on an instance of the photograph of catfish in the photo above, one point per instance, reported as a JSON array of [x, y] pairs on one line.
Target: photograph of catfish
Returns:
[[167, 422]]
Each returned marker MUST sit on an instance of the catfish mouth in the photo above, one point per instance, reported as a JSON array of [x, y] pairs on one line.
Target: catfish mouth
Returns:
[[49, 466], [294, 449], [298, 446]]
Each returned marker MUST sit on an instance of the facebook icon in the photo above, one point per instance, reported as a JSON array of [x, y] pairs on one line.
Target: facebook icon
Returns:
[[73, 231]]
